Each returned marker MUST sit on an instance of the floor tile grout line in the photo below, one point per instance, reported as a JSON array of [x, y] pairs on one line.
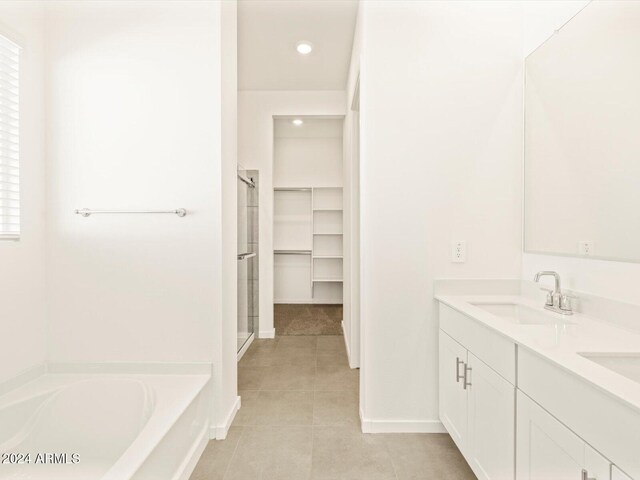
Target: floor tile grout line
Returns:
[[348, 426], [388, 450], [235, 449], [313, 444], [313, 414]]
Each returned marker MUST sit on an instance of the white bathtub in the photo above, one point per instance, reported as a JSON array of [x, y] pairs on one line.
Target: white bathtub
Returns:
[[104, 426]]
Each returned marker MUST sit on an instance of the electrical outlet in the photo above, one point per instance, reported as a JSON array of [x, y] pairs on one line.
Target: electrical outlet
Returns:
[[585, 247], [458, 251]]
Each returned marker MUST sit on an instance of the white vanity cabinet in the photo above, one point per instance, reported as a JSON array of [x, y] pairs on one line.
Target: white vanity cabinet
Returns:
[[490, 422], [602, 421], [477, 404], [544, 426], [453, 397], [547, 450]]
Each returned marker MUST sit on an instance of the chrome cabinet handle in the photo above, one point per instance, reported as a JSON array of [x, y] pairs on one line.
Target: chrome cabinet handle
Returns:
[[244, 256], [585, 475], [466, 383], [458, 363]]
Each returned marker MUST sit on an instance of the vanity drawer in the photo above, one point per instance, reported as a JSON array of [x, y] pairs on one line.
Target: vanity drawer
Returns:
[[601, 420], [489, 346]]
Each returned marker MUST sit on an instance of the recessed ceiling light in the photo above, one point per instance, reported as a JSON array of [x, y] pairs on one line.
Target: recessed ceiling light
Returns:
[[304, 48], [297, 122]]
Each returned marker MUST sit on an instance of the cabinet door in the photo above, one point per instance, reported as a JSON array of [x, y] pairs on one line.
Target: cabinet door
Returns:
[[545, 449], [491, 422], [453, 397], [618, 475]]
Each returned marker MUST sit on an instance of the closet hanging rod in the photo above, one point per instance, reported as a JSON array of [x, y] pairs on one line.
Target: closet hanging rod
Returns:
[[292, 252], [85, 212], [287, 189], [246, 180]]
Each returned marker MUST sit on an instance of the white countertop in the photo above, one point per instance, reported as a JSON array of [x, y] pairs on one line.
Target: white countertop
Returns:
[[560, 344]]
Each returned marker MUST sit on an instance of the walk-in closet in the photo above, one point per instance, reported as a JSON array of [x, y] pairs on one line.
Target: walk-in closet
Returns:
[[308, 210]]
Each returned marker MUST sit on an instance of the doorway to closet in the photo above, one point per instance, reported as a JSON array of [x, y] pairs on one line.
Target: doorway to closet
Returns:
[[308, 225]]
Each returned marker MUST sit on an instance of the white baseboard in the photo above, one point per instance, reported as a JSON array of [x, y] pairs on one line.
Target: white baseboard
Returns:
[[219, 432], [189, 465], [401, 426], [267, 333]]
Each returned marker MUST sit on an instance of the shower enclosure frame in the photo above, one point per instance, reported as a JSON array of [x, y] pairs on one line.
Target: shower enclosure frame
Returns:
[[247, 258]]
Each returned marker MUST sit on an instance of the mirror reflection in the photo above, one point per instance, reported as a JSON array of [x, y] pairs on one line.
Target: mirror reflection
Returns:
[[582, 136]]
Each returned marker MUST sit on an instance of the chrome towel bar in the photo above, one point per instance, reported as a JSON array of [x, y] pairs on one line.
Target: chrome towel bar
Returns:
[[85, 212]]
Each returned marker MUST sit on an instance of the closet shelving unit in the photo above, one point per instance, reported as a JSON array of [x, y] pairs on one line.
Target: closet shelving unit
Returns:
[[309, 221]]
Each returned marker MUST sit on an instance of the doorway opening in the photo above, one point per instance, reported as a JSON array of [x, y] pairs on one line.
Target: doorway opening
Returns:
[[308, 225]]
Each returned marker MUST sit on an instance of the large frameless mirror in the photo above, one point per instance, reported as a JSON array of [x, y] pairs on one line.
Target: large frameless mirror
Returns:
[[582, 136]]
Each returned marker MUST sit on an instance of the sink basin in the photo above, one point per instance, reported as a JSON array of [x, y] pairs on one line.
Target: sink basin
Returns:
[[519, 314], [626, 364]]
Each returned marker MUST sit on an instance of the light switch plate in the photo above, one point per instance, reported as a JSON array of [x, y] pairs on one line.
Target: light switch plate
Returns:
[[458, 251]]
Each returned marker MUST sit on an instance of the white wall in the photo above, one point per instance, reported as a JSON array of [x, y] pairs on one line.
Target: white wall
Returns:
[[134, 122], [308, 162], [351, 204], [542, 17], [256, 110], [138, 104], [616, 280], [227, 400], [22, 321], [310, 156], [441, 109]]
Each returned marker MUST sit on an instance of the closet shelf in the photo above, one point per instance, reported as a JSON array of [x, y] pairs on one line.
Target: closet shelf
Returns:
[[290, 219], [303, 215]]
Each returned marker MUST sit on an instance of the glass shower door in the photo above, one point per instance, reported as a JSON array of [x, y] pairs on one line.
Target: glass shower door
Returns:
[[247, 257]]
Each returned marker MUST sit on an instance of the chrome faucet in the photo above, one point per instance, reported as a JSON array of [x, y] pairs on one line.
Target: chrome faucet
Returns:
[[557, 301]]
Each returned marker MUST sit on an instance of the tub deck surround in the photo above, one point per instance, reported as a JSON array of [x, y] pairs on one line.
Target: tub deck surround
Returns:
[[144, 425]]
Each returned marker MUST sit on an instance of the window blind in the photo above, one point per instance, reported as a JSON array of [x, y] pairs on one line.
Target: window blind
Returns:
[[9, 136]]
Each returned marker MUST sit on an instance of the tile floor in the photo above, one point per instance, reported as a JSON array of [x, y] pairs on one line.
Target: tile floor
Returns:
[[305, 319], [299, 421]]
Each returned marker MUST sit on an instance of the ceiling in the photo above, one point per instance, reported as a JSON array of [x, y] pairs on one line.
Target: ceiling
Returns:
[[268, 31]]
